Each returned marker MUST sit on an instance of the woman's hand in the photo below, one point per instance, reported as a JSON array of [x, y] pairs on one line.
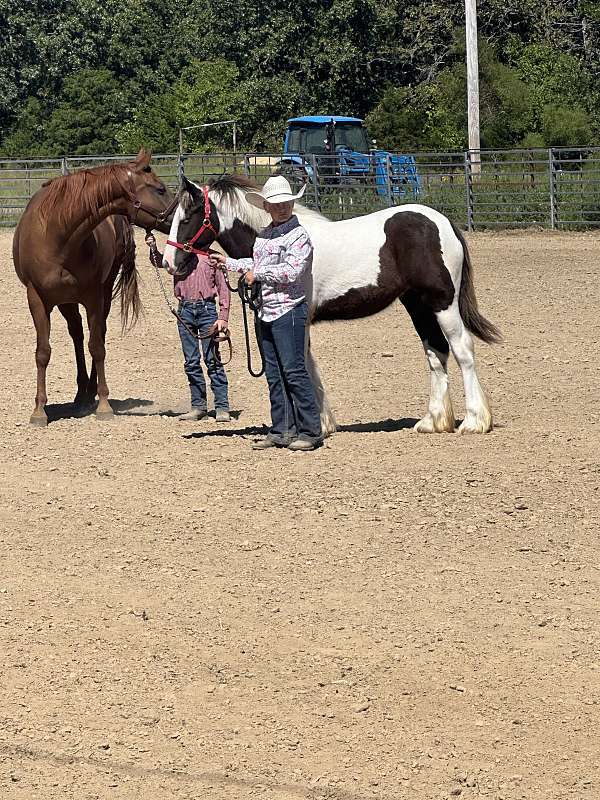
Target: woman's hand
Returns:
[[217, 259], [249, 277], [221, 326]]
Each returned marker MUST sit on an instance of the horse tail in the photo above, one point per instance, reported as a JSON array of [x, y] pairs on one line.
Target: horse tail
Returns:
[[127, 282], [474, 321]]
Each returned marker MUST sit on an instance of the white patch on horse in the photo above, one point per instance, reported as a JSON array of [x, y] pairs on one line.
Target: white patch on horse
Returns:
[[170, 251], [478, 414]]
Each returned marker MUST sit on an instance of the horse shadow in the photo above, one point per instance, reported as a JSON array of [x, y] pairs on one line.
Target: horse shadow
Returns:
[[131, 406], [388, 425], [380, 426]]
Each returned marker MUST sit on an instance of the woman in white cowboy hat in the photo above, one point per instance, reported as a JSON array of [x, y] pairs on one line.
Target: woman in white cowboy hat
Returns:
[[282, 262]]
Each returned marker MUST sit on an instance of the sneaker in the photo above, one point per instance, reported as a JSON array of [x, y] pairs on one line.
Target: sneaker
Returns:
[[264, 444], [301, 444], [194, 415], [222, 415]]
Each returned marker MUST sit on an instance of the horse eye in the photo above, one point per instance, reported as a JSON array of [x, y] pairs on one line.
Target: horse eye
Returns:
[[147, 169]]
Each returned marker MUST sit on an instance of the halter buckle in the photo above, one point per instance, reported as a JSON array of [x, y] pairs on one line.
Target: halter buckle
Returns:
[[187, 247]]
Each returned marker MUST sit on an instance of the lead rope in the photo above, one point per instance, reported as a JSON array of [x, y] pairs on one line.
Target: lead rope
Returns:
[[215, 338], [250, 296]]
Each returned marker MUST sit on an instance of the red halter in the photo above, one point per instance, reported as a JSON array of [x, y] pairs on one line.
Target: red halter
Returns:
[[188, 247]]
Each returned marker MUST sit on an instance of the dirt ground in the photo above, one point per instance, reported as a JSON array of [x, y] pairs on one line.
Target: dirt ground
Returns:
[[396, 616]]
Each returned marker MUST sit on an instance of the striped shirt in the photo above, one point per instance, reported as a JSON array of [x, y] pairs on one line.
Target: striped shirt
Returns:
[[204, 283], [282, 262]]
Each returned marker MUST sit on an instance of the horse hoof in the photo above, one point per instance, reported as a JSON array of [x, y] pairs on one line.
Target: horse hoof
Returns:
[[429, 424], [38, 420], [104, 415], [476, 423]]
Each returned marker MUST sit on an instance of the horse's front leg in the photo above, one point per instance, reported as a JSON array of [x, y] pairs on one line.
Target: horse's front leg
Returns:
[[97, 325], [41, 319]]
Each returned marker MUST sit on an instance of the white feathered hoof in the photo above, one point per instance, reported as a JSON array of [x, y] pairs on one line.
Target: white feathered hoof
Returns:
[[435, 424], [481, 422], [440, 421], [328, 424]]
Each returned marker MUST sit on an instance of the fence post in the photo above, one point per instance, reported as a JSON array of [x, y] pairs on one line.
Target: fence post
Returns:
[[180, 168], [315, 170], [64, 168], [246, 165], [553, 188], [388, 179], [469, 191]]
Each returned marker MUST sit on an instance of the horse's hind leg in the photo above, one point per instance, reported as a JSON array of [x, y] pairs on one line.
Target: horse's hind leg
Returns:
[[440, 416], [97, 325], [478, 414], [41, 320], [70, 312], [328, 423]]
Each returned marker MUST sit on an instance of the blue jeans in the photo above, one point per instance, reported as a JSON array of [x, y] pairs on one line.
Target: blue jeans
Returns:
[[294, 410], [199, 316]]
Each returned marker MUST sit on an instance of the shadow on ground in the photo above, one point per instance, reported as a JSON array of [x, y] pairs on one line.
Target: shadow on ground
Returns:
[[380, 426]]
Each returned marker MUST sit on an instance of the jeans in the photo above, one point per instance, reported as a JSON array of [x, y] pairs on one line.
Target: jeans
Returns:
[[199, 315], [294, 410]]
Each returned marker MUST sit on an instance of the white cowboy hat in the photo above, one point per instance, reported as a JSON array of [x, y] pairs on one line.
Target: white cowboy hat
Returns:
[[275, 190]]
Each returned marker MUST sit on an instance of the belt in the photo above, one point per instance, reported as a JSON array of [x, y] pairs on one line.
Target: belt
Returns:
[[201, 300]]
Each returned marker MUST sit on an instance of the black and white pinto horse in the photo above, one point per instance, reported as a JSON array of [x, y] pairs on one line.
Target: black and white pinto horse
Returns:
[[360, 266]]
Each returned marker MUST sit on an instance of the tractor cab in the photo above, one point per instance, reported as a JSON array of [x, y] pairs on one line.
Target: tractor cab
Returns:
[[333, 150]]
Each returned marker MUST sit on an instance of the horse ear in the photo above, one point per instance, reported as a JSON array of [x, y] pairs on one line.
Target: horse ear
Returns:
[[143, 158], [190, 194]]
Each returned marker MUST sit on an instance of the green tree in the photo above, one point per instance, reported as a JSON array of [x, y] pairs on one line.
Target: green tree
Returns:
[[206, 91], [87, 116], [515, 107]]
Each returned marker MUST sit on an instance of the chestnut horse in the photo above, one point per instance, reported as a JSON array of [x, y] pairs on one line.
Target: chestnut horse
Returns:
[[410, 253], [70, 244]]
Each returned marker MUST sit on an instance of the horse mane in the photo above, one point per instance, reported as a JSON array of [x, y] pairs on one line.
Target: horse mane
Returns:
[[87, 190], [231, 189]]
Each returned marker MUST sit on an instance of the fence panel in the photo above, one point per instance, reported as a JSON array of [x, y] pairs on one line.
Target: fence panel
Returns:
[[557, 188], [19, 180]]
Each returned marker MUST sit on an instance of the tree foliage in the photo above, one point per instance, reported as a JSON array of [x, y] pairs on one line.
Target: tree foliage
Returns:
[[106, 75]]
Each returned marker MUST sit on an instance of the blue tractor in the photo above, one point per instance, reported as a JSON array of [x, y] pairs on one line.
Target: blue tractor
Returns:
[[339, 149]]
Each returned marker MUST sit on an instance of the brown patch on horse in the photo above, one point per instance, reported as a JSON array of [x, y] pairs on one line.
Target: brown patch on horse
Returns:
[[410, 260], [238, 241]]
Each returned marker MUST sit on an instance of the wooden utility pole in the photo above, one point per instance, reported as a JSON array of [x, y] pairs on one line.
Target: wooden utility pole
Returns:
[[473, 85]]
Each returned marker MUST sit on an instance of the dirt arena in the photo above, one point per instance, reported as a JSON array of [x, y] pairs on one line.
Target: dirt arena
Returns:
[[395, 616]]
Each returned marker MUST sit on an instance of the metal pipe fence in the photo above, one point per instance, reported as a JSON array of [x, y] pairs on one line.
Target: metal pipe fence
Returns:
[[550, 188]]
